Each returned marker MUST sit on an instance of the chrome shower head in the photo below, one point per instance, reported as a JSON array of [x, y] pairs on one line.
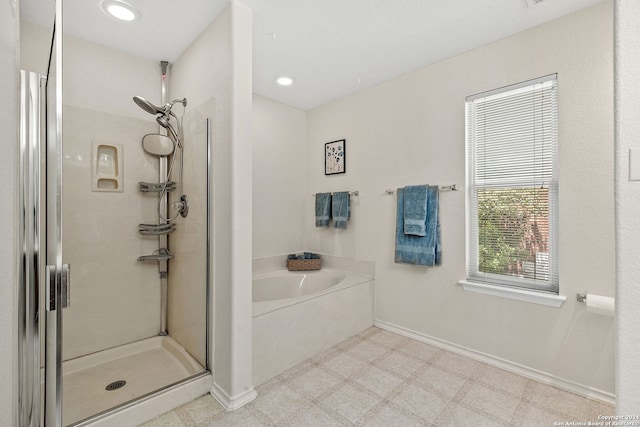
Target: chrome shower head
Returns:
[[154, 109], [147, 106]]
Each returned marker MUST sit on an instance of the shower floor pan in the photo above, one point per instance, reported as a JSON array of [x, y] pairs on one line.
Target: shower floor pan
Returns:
[[94, 383]]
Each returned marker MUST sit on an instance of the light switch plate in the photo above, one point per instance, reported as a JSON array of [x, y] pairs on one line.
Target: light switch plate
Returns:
[[634, 164]]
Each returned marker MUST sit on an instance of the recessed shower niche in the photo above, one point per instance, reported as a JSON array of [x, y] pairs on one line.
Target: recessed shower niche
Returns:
[[106, 167]]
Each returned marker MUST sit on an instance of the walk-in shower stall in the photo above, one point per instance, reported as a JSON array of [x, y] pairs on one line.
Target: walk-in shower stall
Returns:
[[114, 296]]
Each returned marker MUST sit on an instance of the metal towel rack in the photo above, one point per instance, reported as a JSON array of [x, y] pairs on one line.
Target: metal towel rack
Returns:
[[353, 193], [452, 187]]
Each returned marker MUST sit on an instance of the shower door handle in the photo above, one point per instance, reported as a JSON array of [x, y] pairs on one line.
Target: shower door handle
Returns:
[[65, 286], [52, 293]]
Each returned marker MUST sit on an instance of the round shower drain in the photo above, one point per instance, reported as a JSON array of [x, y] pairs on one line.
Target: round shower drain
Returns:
[[115, 385]]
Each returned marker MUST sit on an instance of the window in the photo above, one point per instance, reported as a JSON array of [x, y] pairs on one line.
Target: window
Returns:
[[512, 183]]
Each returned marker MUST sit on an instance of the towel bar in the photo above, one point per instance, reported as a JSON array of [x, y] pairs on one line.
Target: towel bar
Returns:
[[452, 187], [353, 193]]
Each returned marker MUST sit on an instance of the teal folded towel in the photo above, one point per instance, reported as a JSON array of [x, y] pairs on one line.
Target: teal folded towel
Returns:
[[415, 210], [420, 250], [323, 209], [304, 255], [340, 209]]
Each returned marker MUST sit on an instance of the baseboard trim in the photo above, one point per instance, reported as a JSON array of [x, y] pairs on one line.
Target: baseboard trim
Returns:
[[534, 374], [232, 403]]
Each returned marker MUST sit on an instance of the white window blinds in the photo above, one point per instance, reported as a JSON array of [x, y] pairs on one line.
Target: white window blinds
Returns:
[[512, 187]]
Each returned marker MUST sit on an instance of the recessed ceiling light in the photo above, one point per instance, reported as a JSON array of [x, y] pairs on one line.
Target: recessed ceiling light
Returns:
[[120, 10], [285, 80]]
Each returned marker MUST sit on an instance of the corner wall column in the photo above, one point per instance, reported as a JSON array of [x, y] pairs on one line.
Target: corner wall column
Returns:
[[232, 253], [627, 193]]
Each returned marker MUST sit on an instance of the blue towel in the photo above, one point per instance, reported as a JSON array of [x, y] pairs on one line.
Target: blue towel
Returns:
[[323, 209], [340, 209], [415, 210], [420, 250], [304, 255]]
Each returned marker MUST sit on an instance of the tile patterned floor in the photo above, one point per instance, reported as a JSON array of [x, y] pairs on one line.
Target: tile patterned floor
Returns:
[[379, 378]]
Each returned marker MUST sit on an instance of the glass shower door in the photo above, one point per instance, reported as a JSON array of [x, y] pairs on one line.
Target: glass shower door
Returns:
[[104, 346]]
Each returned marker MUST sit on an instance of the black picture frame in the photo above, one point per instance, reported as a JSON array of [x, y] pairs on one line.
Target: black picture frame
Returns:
[[335, 157]]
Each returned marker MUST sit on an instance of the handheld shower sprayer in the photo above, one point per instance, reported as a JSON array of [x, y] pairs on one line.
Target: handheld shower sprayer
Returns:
[[163, 121]]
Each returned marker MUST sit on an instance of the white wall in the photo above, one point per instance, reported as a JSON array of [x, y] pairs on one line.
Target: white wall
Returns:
[[8, 211], [218, 65], [627, 207], [411, 131], [279, 177]]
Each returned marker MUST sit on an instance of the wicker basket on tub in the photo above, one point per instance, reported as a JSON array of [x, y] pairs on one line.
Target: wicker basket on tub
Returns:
[[304, 264]]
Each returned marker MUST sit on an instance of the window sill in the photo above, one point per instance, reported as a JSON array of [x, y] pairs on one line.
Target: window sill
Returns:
[[512, 293]]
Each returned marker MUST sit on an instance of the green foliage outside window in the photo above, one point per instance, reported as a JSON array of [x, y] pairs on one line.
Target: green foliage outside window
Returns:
[[513, 227]]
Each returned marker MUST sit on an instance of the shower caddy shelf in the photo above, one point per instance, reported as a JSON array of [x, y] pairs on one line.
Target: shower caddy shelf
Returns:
[[156, 187], [161, 254], [156, 229]]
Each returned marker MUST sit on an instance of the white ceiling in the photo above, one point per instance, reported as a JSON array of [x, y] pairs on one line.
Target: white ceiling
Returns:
[[332, 47]]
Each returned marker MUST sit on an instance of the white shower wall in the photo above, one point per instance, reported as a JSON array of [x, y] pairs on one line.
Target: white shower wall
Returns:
[[114, 298], [187, 290]]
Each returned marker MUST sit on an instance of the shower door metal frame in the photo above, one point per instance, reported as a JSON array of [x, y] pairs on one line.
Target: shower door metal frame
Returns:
[[30, 242], [39, 224], [57, 273]]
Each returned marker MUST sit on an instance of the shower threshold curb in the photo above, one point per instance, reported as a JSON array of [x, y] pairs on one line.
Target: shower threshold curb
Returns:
[[152, 406]]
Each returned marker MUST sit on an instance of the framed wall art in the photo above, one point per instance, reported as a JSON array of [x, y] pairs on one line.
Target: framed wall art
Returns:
[[335, 157]]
